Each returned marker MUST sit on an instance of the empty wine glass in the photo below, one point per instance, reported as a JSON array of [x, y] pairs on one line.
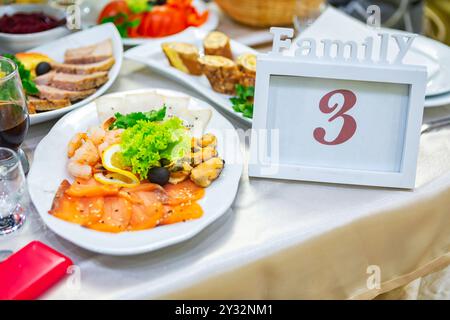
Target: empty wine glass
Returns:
[[14, 119], [306, 12], [12, 192]]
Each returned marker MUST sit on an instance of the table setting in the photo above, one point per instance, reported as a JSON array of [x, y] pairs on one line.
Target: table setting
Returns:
[[142, 160]]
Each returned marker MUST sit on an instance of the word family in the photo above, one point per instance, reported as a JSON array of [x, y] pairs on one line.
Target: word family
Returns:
[[344, 51]]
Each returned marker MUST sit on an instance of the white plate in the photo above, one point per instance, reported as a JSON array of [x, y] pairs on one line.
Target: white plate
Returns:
[[438, 101], [49, 169], [56, 50], [440, 53], [209, 25], [152, 56]]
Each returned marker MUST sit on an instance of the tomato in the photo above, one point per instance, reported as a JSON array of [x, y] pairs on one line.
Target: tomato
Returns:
[[113, 9], [163, 21]]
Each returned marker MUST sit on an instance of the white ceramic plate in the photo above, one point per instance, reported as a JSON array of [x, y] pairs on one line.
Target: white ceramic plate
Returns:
[[209, 25], [14, 43], [439, 54], [152, 56], [438, 101], [56, 50], [49, 169]]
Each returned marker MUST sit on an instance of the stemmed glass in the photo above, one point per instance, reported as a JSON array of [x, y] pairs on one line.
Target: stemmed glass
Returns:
[[306, 12], [14, 118]]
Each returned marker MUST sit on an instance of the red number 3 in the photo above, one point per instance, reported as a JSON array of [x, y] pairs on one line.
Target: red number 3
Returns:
[[349, 127]]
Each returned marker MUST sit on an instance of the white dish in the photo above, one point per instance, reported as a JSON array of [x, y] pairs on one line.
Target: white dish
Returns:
[[435, 53], [56, 50], [13, 43], [49, 169], [440, 82], [152, 56], [209, 25], [438, 101]]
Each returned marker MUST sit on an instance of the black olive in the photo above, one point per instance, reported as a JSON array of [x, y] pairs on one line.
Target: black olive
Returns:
[[43, 68], [159, 176]]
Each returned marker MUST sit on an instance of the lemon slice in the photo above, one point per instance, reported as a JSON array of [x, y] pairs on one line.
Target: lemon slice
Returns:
[[2, 74], [112, 161], [116, 179]]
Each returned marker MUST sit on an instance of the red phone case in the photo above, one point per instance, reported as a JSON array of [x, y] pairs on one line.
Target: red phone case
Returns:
[[31, 271]]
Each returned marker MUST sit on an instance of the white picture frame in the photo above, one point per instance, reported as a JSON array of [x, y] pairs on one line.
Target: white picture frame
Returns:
[[288, 165]]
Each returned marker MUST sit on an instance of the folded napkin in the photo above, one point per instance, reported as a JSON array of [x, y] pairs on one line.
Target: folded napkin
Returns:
[[336, 25]]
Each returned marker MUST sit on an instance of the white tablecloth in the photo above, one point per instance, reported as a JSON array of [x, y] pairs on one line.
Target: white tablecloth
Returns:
[[279, 239]]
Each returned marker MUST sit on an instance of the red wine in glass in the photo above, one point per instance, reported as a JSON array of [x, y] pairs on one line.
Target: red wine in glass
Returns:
[[14, 118]]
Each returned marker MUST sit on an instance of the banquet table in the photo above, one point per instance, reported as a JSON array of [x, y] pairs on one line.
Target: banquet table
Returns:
[[279, 239]]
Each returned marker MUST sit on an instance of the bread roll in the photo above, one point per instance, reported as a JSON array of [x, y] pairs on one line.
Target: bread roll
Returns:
[[183, 56], [247, 66], [217, 44], [222, 73]]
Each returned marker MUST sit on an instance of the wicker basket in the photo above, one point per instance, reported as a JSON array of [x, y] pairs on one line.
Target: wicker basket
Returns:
[[265, 13]]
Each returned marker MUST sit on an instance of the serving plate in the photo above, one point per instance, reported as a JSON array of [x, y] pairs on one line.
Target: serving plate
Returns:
[[56, 50], [210, 24], [49, 169], [153, 56]]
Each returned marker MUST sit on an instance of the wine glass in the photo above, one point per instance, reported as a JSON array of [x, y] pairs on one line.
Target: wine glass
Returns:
[[14, 118], [306, 12]]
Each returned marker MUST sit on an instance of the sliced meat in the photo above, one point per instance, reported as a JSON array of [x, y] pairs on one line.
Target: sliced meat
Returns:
[[72, 82], [41, 105], [90, 54], [104, 65], [45, 79], [50, 93], [79, 82]]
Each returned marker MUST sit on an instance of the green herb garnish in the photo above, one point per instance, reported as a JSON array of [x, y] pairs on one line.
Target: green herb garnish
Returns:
[[140, 6], [243, 102], [122, 23], [25, 75], [131, 119]]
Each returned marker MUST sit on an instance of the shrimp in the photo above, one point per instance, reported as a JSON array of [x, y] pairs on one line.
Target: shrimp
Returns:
[[111, 137], [97, 135], [76, 143], [78, 170], [86, 154]]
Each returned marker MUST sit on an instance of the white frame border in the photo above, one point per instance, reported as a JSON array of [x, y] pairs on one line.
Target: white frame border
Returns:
[[415, 76]]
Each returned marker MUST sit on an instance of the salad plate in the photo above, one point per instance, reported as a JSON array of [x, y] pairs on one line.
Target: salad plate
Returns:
[[153, 56], [56, 50], [50, 168], [210, 24]]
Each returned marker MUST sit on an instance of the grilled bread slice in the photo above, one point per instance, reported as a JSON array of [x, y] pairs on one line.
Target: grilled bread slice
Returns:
[[217, 44], [247, 66], [223, 74], [90, 54], [104, 65], [183, 56]]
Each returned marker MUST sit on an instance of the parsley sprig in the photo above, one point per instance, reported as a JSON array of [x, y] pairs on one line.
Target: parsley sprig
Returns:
[[123, 23], [243, 102], [25, 75], [131, 119]]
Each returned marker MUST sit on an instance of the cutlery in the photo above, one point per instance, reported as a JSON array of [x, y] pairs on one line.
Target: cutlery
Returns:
[[435, 124]]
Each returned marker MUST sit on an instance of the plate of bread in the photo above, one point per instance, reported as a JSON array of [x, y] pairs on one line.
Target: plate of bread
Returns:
[[72, 71], [212, 64]]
